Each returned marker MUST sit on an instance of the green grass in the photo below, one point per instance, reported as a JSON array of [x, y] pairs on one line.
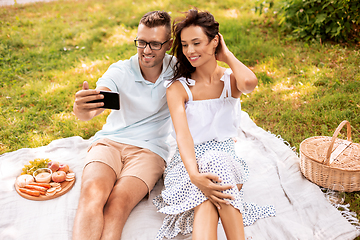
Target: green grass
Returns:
[[48, 49]]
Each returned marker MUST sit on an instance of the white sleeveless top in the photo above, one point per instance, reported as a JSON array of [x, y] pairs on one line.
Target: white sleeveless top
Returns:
[[210, 119]]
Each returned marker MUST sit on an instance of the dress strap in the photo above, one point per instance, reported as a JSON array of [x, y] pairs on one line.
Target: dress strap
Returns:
[[227, 83], [187, 89], [185, 82]]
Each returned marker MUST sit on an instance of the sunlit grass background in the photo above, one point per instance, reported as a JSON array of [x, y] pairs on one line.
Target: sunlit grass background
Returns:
[[48, 49]]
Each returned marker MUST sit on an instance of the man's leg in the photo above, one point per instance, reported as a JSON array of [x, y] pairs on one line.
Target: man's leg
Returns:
[[97, 183], [127, 193]]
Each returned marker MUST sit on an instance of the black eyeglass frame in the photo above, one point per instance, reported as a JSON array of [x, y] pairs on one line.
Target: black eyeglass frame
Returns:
[[149, 43]]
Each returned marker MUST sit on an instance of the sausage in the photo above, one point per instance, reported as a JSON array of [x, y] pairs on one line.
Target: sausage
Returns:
[[34, 187], [45, 185], [30, 192]]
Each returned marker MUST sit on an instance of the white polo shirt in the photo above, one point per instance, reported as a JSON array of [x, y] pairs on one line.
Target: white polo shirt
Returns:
[[143, 119]]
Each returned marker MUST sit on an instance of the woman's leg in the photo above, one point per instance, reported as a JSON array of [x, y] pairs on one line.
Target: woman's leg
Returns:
[[232, 221], [206, 220]]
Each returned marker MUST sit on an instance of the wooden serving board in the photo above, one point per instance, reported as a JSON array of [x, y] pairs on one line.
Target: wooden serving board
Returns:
[[65, 187]]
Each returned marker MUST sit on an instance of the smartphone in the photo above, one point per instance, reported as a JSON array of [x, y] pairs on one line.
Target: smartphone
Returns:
[[111, 100]]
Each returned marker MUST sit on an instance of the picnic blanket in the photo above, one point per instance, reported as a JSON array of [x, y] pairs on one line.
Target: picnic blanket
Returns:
[[302, 212]]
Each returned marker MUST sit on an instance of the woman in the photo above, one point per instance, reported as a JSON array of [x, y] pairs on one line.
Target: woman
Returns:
[[203, 180]]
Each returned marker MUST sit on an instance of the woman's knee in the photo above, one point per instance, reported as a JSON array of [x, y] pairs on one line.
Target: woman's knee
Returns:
[[206, 208], [206, 218]]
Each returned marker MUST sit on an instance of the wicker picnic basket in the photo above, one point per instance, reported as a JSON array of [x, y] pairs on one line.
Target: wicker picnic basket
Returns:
[[329, 160]]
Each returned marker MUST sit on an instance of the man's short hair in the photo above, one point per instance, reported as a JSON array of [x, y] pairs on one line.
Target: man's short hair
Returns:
[[157, 19]]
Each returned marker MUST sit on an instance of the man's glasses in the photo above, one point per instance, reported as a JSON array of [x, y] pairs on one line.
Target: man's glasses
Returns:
[[152, 45]]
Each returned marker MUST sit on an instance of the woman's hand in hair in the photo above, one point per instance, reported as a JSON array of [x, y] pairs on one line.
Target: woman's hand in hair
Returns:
[[224, 53], [246, 80]]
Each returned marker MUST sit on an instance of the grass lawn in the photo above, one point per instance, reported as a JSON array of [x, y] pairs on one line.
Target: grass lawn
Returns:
[[48, 49]]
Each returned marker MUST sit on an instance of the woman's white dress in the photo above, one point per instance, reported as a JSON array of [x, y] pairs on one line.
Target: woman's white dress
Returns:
[[213, 124]]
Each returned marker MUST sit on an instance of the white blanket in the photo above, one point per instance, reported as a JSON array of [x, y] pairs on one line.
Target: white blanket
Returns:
[[302, 211]]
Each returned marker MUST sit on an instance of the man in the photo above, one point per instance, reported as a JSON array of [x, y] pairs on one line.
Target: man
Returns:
[[127, 156]]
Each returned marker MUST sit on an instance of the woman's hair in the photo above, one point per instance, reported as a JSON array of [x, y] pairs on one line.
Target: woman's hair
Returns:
[[193, 17], [157, 19]]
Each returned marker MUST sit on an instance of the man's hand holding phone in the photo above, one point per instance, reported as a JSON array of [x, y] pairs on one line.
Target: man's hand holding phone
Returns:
[[90, 102], [110, 100]]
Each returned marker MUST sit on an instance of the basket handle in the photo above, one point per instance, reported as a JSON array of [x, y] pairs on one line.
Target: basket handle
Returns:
[[336, 133]]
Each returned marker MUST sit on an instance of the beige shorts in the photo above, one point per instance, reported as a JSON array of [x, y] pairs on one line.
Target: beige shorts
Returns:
[[127, 160]]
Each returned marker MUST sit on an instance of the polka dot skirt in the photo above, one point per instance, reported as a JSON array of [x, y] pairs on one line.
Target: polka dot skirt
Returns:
[[180, 196]]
